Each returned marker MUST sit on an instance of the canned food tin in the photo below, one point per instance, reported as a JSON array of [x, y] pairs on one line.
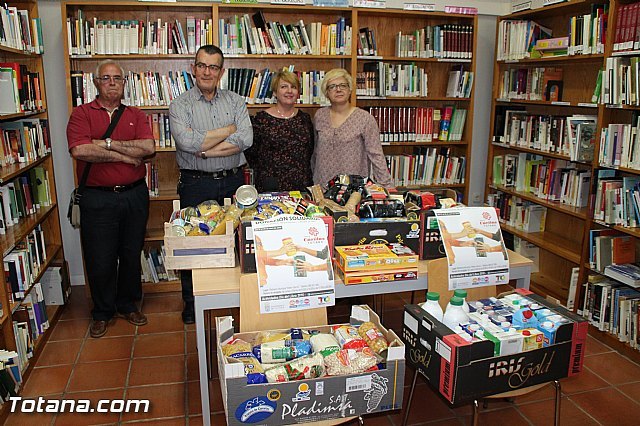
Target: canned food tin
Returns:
[[246, 197]]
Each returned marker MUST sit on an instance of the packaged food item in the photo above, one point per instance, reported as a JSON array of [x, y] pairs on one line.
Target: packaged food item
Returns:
[[374, 338], [209, 208], [324, 343], [381, 208], [348, 337], [306, 367], [349, 361], [272, 336], [241, 350], [282, 350], [232, 214]]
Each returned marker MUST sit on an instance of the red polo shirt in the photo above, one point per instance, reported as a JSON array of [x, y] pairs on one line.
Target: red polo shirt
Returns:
[[90, 121]]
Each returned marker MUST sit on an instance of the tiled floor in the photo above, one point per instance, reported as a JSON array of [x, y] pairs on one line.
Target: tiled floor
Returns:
[[159, 362]]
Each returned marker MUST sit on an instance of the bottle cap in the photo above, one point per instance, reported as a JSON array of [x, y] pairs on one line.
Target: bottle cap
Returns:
[[432, 295], [505, 324], [526, 333], [456, 301], [535, 306], [547, 324], [460, 293], [527, 313], [515, 302]]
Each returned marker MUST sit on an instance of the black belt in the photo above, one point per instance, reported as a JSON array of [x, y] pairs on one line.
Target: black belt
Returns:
[[118, 188], [215, 175]]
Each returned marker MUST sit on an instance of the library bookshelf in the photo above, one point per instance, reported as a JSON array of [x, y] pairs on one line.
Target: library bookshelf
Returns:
[[30, 235], [215, 24], [566, 247]]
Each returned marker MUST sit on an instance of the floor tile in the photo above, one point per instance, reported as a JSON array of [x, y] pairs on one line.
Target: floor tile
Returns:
[[162, 323], [166, 401], [541, 413], [95, 418], [193, 371], [380, 419], [171, 302], [106, 348], [161, 344], [175, 421], [192, 346], [99, 375], [609, 406], [632, 390], [69, 329], [47, 380], [59, 353], [614, 368], [595, 347], [120, 327], [505, 416], [31, 417], [542, 394], [423, 396], [151, 371], [584, 381], [215, 397]]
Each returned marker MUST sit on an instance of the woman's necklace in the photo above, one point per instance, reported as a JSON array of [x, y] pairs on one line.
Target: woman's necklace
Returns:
[[286, 117]]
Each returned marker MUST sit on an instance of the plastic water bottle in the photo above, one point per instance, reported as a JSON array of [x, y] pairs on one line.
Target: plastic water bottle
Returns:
[[454, 315], [433, 306], [462, 294]]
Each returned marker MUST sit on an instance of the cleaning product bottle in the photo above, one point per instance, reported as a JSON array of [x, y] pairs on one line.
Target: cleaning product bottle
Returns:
[[454, 315], [433, 306]]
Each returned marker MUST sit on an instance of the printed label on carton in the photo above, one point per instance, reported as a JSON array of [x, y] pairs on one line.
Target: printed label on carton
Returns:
[[255, 410], [353, 384]]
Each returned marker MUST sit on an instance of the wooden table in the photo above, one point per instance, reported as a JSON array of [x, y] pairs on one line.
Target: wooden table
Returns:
[[219, 288]]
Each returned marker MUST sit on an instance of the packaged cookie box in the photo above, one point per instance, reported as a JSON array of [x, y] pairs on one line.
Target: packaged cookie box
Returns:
[[463, 371], [324, 398], [375, 257]]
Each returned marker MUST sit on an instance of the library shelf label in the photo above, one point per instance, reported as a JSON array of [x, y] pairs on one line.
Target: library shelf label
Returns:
[[429, 7], [294, 2], [370, 4]]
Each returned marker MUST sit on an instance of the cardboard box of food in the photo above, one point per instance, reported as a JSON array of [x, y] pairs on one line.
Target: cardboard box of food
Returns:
[[375, 257], [382, 231], [324, 398], [207, 251], [351, 278], [463, 371]]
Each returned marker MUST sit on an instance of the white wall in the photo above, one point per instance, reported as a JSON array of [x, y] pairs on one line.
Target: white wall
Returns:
[[54, 58]]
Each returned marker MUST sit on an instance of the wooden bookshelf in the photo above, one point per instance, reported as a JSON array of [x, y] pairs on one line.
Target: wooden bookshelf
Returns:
[[45, 217]]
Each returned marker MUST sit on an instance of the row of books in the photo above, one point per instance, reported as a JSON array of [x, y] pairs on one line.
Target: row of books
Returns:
[[518, 213], [617, 199], [19, 89], [608, 246], [24, 141], [533, 84], [387, 79], [140, 89], [241, 34], [612, 307], [151, 177], [419, 124], [161, 128], [10, 374], [438, 41], [23, 196], [620, 146], [516, 38], [588, 33], [19, 31], [627, 33], [30, 321], [367, 45], [150, 37], [436, 166], [567, 135], [23, 264], [255, 86], [548, 179], [621, 81], [153, 266]]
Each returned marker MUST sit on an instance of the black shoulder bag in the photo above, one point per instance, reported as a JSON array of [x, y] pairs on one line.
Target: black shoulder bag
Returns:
[[73, 213]]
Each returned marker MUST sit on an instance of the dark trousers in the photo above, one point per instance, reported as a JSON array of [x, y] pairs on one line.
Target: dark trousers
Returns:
[[112, 231], [193, 190]]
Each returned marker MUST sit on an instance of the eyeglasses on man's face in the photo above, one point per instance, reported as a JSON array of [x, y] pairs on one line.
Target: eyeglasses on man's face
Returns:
[[104, 79], [334, 87], [213, 68]]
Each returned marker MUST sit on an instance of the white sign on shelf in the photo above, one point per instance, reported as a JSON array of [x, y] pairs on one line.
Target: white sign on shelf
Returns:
[[476, 253], [373, 4], [294, 2], [430, 7], [293, 264]]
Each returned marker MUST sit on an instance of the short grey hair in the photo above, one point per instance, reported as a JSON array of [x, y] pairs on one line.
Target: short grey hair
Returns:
[[105, 63], [332, 75]]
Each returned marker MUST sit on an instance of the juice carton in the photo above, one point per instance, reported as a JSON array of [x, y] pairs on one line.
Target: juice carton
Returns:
[[532, 339]]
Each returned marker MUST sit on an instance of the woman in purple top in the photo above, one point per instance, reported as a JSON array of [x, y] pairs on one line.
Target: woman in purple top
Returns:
[[347, 137]]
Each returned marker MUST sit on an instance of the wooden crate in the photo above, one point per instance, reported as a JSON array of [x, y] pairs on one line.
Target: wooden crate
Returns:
[[211, 251]]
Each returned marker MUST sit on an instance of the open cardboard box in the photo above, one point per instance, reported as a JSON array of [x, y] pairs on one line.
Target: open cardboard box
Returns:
[[464, 371], [324, 398]]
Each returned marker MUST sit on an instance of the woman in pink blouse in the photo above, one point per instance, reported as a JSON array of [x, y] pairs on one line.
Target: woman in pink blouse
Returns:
[[347, 137]]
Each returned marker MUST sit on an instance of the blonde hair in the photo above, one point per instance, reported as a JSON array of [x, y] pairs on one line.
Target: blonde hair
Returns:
[[334, 74], [287, 76]]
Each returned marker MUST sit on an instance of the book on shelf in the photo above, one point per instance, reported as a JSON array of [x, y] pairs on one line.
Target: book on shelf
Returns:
[[391, 79], [460, 83], [545, 133], [573, 288], [517, 38], [20, 89], [517, 213], [436, 166], [419, 124], [440, 41], [152, 261], [581, 136], [627, 32], [19, 31], [628, 274], [23, 141]]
